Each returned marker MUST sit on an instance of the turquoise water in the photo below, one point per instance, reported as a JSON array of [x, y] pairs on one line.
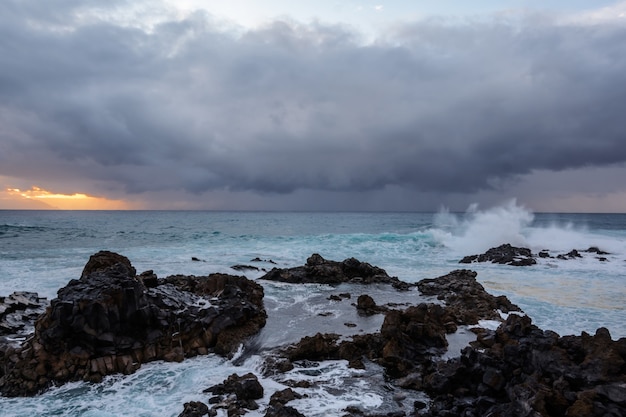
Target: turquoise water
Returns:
[[42, 250]]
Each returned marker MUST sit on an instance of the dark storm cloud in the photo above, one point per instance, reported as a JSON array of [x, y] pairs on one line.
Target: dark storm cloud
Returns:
[[188, 106]]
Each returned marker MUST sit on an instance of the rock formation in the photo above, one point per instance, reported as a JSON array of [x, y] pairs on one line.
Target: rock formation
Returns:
[[321, 271], [503, 254], [465, 297], [517, 370], [523, 371], [112, 321]]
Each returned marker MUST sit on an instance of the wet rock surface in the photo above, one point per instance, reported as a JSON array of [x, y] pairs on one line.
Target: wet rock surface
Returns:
[[525, 371], [516, 370], [237, 394], [321, 271], [112, 320], [18, 313], [109, 321], [516, 256], [503, 254], [466, 298]]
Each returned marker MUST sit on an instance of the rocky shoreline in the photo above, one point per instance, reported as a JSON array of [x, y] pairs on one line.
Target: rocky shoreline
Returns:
[[112, 320]]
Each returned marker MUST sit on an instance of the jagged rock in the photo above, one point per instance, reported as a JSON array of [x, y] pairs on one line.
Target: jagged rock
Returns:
[[466, 297], [237, 394], [279, 410], [18, 312], [318, 347], [413, 336], [284, 396], [195, 409], [245, 387], [366, 305], [244, 268], [109, 321], [503, 254], [597, 251], [322, 271], [277, 407], [544, 254], [409, 339], [573, 254], [525, 371], [103, 260], [257, 259]]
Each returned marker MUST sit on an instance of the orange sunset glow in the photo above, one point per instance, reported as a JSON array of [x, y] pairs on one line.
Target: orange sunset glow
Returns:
[[38, 198]]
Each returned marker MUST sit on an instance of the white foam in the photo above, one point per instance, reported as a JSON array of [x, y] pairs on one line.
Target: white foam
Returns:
[[477, 230]]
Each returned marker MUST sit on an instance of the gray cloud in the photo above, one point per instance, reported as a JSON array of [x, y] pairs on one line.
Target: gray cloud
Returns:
[[435, 108]]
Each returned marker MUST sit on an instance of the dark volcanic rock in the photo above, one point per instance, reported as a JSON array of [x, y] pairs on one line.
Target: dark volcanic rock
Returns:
[[366, 305], [321, 271], [504, 254], [594, 249], [245, 387], [277, 407], [18, 313], [244, 268], [109, 321], [413, 336], [525, 371], [236, 394], [573, 254], [194, 409], [466, 297], [409, 339]]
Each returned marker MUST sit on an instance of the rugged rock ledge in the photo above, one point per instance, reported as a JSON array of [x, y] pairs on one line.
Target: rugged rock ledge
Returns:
[[112, 321], [466, 298], [511, 255], [521, 370], [517, 370], [321, 271], [503, 254]]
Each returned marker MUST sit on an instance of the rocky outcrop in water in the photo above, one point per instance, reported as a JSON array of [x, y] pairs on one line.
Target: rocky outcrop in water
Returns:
[[111, 321], [517, 370], [18, 313], [465, 297], [321, 271], [511, 255], [503, 254], [236, 394], [410, 339], [522, 371]]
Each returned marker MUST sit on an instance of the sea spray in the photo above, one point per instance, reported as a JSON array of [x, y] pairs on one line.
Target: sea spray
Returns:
[[566, 296], [476, 231]]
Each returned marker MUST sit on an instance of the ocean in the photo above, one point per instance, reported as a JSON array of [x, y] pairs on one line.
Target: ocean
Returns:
[[42, 250]]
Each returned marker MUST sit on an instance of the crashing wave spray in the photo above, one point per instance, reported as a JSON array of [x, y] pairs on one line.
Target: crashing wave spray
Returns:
[[475, 231]]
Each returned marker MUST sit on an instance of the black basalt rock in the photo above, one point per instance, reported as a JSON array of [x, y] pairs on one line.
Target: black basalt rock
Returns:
[[503, 254], [321, 271], [111, 321]]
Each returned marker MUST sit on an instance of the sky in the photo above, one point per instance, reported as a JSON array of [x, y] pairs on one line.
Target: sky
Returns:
[[313, 105]]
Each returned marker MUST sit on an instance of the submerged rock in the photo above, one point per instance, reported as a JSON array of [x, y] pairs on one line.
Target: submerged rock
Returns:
[[321, 271], [503, 254], [109, 322]]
